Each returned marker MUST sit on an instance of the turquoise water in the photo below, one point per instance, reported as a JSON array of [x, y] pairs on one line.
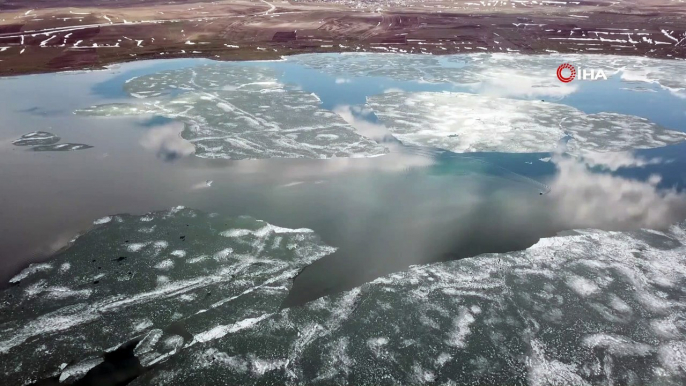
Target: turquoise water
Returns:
[[653, 103]]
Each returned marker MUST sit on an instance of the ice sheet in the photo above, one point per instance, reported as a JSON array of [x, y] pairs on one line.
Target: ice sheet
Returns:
[[462, 122], [235, 112], [531, 317], [589, 307], [121, 284]]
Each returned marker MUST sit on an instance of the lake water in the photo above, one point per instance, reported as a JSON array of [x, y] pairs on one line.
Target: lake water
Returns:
[[398, 202]]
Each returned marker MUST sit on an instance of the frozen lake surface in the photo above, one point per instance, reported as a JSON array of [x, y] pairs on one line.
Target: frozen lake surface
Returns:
[[345, 219]]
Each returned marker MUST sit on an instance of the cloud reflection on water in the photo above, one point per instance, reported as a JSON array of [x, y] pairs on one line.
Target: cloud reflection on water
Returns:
[[166, 142], [501, 82], [618, 160], [584, 199], [385, 224]]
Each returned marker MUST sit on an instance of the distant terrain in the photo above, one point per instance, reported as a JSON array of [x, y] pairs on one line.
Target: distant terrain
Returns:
[[54, 35]]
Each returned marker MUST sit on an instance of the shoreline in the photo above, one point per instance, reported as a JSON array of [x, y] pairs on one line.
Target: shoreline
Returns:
[[46, 40], [282, 56]]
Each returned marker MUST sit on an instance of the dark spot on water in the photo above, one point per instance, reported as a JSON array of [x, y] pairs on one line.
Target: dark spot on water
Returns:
[[183, 237], [120, 258], [126, 241], [96, 282], [118, 368], [99, 267]]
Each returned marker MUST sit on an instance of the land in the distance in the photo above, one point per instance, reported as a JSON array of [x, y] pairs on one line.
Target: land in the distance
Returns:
[[44, 36]]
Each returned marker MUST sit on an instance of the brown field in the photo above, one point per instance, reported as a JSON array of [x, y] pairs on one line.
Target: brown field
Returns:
[[52, 35]]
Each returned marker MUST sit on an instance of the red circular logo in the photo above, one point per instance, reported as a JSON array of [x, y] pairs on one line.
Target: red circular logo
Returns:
[[571, 75]]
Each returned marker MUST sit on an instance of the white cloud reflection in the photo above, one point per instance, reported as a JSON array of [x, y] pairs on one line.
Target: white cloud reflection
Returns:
[[584, 199], [166, 142], [614, 161], [507, 83]]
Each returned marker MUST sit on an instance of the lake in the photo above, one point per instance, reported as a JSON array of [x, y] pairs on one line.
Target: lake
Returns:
[[330, 209]]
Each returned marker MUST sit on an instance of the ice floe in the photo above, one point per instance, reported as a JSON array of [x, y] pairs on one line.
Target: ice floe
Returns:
[[44, 141], [462, 122], [36, 138], [585, 308], [31, 269], [236, 112], [62, 147], [102, 220], [570, 310], [111, 292]]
